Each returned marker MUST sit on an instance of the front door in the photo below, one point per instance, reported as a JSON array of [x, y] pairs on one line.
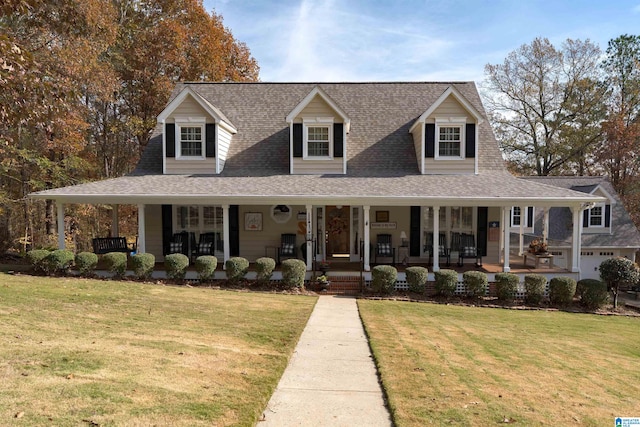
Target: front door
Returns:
[[337, 231]]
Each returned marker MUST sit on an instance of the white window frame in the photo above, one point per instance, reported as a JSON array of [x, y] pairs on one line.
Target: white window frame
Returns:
[[317, 122], [602, 216], [452, 122], [190, 122], [523, 217], [519, 216]]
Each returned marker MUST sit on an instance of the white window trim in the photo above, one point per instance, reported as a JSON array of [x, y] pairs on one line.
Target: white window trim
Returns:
[[316, 122], [523, 217], [513, 216], [602, 215], [450, 122], [191, 122]]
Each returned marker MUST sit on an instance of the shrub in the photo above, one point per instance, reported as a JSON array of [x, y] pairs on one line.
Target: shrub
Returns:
[[475, 283], [617, 272], [534, 285], [176, 266], [206, 267], [417, 278], [446, 282], [143, 265], [86, 263], [236, 268], [593, 293], [384, 278], [37, 259], [264, 269], [59, 261], [293, 272], [562, 290], [116, 263], [583, 284], [507, 286]]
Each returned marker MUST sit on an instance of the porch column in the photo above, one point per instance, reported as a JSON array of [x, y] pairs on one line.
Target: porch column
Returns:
[[545, 225], [115, 226], [576, 244], [436, 238], [225, 234], [367, 238], [60, 220], [309, 237], [142, 245], [506, 222], [523, 209]]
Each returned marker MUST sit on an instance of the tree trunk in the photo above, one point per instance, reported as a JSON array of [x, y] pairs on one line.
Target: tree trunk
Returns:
[[50, 222], [615, 297]]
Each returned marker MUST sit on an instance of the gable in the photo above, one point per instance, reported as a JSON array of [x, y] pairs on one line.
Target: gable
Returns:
[[317, 107], [189, 107], [450, 107]]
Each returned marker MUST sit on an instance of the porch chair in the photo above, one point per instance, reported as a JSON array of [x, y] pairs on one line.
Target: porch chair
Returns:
[[443, 251], [288, 248], [205, 245], [384, 248], [181, 243], [468, 249]]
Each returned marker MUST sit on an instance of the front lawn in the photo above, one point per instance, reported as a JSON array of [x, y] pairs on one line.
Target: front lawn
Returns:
[[469, 366], [90, 352]]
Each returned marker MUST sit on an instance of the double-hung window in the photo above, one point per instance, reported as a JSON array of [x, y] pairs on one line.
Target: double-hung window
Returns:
[[318, 141], [191, 141], [596, 216], [449, 141], [516, 216]]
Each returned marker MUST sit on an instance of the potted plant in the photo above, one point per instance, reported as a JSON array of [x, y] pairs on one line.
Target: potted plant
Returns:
[[538, 247], [322, 282]]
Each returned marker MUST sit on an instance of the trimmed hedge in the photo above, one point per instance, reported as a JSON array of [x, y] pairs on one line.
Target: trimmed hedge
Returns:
[[475, 283], [446, 282], [507, 286], [86, 263], [116, 263], [206, 267], [176, 266], [293, 273], [562, 290], [59, 261], [384, 278], [236, 268], [593, 293], [534, 285], [417, 278], [264, 269], [36, 258], [143, 265]]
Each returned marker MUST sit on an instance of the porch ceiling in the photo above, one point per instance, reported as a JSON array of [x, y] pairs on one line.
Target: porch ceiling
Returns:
[[490, 189]]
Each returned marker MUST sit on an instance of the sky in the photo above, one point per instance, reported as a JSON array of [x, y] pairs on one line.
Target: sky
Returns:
[[412, 40]]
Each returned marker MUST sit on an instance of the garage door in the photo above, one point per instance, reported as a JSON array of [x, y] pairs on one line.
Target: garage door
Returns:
[[590, 261]]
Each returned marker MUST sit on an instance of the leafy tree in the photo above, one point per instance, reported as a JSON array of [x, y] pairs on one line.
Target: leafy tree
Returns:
[[618, 272], [543, 102]]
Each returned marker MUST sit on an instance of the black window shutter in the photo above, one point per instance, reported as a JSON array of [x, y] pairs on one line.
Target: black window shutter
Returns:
[[470, 137], [530, 216], [585, 218], [234, 230], [338, 140], [170, 139], [483, 229], [607, 215], [167, 227], [430, 140], [414, 231], [297, 140], [210, 130]]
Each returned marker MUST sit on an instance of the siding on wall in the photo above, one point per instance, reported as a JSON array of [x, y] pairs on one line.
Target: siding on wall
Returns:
[[301, 166], [450, 107], [179, 167], [443, 167], [417, 143], [153, 230], [189, 107], [317, 108], [493, 248], [224, 141]]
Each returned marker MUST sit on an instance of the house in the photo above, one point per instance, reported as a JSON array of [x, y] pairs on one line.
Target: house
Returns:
[[342, 166]]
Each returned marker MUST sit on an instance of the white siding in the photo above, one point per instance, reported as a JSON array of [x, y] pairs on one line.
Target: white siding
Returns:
[[189, 107], [153, 230], [444, 167], [450, 107], [224, 141], [183, 167], [312, 167], [316, 108]]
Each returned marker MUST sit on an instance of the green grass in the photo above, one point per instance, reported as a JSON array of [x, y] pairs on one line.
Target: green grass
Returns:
[[468, 366], [76, 351]]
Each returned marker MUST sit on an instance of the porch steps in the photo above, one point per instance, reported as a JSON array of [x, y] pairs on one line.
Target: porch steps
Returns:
[[343, 285]]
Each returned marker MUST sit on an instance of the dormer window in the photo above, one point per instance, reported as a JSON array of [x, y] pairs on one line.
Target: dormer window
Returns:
[[596, 216], [191, 141], [449, 140], [318, 138]]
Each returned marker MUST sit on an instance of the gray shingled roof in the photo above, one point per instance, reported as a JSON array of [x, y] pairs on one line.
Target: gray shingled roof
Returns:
[[623, 231], [381, 159]]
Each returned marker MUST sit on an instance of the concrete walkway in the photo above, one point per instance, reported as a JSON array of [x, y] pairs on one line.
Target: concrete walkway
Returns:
[[331, 379]]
